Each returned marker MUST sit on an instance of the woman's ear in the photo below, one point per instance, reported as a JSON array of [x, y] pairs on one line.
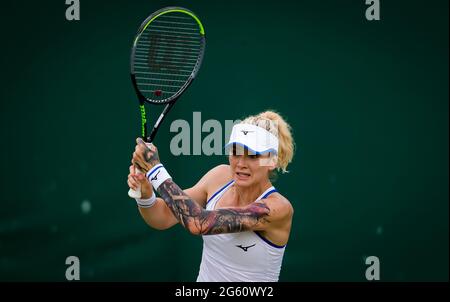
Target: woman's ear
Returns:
[[274, 165], [274, 158], [270, 161]]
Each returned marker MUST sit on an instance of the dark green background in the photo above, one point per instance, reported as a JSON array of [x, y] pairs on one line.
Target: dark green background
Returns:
[[367, 101]]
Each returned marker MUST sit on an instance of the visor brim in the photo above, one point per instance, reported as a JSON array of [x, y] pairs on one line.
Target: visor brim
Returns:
[[230, 145]]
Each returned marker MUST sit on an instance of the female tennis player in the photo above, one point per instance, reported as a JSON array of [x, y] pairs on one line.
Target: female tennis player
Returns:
[[245, 222]]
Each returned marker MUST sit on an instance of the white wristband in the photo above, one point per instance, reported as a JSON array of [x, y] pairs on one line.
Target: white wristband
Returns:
[[157, 175], [146, 203]]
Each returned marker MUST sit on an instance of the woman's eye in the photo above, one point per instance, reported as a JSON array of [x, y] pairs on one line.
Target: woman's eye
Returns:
[[254, 156]]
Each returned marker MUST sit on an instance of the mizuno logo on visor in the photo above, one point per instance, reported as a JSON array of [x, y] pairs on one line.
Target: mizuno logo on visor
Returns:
[[260, 140]]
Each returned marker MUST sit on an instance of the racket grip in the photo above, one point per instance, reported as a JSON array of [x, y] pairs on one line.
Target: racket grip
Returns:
[[136, 193]]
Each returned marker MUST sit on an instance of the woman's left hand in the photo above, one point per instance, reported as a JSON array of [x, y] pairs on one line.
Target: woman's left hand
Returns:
[[145, 157]]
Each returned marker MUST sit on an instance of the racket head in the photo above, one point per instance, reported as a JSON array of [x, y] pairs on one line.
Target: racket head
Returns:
[[166, 55]]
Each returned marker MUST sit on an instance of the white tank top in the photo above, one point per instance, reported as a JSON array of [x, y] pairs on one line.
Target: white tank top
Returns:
[[239, 257]]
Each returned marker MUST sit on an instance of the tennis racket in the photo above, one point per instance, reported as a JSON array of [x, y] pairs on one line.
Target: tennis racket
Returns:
[[166, 55]]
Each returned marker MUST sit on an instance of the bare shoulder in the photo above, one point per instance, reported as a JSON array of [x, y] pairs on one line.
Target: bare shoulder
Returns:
[[221, 171], [280, 207], [214, 179], [217, 177]]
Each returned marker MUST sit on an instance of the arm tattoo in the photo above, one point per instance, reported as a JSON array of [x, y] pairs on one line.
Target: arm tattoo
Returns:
[[195, 218], [151, 157]]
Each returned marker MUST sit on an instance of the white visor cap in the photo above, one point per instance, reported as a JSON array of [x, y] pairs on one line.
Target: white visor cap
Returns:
[[254, 138]]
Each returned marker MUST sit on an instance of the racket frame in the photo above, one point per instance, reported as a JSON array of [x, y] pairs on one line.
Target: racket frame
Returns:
[[172, 99]]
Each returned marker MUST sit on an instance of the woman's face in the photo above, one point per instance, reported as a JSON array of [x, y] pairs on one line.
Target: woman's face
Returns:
[[249, 169]]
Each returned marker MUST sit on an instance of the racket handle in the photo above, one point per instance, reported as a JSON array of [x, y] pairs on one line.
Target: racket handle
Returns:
[[136, 193]]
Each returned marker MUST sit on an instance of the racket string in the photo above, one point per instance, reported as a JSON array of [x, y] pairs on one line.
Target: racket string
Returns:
[[166, 54]]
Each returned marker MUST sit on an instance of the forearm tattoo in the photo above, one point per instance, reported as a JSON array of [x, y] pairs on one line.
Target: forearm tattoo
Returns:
[[198, 220]]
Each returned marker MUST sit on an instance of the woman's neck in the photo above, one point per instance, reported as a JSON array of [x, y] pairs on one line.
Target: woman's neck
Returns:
[[247, 195]]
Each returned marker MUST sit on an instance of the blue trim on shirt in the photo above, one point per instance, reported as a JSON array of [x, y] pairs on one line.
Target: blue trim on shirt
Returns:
[[215, 194], [261, 236], [268, 242], [268, 193]]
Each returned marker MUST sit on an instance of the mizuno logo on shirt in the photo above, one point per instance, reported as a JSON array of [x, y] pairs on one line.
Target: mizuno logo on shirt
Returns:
[[245, 248]]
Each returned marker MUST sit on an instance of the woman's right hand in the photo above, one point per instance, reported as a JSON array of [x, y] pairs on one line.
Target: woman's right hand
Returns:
[[134, 180]]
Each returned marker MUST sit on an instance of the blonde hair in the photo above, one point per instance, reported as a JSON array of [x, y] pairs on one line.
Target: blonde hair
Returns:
[[275, 124]]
